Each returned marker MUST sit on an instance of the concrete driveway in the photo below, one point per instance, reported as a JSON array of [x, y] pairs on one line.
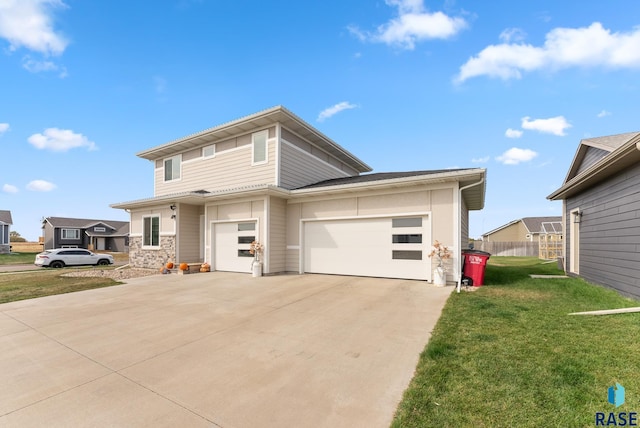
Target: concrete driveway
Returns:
[[216, 349]]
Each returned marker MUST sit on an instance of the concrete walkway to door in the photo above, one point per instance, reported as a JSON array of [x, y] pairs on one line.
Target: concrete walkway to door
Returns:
[[216, 349]]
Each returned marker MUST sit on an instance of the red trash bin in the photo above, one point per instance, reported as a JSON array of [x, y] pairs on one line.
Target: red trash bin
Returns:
[[473, 266]]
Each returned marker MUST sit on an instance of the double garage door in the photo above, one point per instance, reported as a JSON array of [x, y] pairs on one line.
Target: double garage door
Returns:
[[383, 247]]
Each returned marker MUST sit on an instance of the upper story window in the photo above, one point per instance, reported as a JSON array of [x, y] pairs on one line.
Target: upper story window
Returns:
[[259, 150], [172, 168], [209, 151], [70, 234]]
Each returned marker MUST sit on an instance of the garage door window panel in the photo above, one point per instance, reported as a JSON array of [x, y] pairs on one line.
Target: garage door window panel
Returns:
[[415, 238], [406, 255], [406, 222]]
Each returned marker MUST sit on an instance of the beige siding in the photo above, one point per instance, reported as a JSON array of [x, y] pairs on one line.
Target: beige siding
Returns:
[[513, 233], [464, 224], [299, 168], [167, 225], [277, 235], [188, 218], [227, 169], [294, 214], [393, 203], [442, 224]]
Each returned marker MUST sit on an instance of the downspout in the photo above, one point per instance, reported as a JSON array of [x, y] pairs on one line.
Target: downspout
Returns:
[[459, 285]]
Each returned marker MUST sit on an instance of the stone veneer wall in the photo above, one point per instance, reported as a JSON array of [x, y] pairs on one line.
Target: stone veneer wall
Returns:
[[4, 249], [152, 259]]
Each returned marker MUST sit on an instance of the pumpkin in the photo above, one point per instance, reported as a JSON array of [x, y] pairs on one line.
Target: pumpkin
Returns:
[[184, 266], [204, 267], [170, 265]]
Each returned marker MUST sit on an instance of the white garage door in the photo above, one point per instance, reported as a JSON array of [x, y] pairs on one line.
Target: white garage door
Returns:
[[231, 243], [380, 247]]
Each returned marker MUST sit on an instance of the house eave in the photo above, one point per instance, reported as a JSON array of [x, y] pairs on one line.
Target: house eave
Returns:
[[250, 123], [626, 155]]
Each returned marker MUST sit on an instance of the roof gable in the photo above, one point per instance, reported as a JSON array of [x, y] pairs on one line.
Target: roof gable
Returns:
[[83, 223], [543, 224], [5, 217]]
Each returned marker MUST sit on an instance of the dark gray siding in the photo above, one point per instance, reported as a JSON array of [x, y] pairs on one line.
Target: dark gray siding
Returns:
[[610, 232], [592, 156]]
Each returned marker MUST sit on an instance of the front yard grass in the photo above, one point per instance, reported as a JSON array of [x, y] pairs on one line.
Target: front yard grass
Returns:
[[508, 354], [17, 258], [45, 282]]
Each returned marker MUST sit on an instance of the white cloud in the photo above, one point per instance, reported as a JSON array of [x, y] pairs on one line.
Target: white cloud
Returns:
[[4, 127], [514, 156], [512, 35], [29, 24], [8, 188], [38, 66], [553, 125], [328, 112], [481, 160], [592, 46], [413, 24], [513, 133], [160, 84], [604, 113], [60, 140], [40, 186]]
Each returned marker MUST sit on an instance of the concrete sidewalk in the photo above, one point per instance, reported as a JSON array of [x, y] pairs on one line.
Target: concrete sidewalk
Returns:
[[216, 349]]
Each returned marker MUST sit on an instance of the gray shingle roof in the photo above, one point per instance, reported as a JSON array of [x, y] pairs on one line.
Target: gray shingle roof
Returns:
[[119, 227], [5, 217], [551, 224], [364, 178]]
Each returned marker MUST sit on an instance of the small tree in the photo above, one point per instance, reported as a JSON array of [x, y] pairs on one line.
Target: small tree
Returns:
[[15, 237]]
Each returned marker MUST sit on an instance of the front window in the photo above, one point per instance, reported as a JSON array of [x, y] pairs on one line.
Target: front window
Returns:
[[151, 231], [4, 234], [70, 233], [172, 168], [259, 140]]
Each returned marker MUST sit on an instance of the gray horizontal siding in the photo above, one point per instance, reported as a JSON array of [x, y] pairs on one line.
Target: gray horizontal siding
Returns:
[[592, 156], [299, 168], [610, 232]]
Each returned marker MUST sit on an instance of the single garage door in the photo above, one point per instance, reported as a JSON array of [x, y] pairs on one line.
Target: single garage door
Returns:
[[380, 247], [231, 243]]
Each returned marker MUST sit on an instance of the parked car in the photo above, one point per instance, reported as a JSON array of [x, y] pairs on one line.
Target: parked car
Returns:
[[61, 257]]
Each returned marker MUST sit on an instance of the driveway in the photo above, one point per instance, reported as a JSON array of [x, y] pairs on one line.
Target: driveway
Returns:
[[216, 349]]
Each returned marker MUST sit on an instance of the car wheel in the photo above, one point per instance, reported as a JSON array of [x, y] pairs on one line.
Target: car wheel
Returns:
[[103, 262], [57, 264]]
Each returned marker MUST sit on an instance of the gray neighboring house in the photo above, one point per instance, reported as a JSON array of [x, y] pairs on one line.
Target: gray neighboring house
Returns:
[[5, 230], [100, 235], [601, 212]]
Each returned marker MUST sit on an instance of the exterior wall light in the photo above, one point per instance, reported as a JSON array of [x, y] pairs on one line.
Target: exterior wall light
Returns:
[[577, 217]]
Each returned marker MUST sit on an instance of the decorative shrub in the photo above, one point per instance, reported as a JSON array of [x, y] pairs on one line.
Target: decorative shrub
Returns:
[[170, 265], [184, 266]]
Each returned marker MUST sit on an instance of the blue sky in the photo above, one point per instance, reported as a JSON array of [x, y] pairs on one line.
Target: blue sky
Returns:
[[403, 84]]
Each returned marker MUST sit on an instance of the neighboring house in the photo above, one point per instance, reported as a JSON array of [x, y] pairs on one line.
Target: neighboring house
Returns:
[[273, 178], [100, 235], [5, 231], [601, 212], [527, 229]]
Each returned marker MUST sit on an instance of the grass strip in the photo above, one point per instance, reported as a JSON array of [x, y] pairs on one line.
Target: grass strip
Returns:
[[508, 354]]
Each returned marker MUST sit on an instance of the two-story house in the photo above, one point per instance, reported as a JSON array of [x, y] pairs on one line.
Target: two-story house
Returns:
[[100, 235], [273, 178]]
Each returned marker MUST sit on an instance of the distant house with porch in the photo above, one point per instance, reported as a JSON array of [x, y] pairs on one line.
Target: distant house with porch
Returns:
[[100, 235], [5, 231]]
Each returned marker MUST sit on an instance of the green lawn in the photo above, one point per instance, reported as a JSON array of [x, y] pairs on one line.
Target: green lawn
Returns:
[[17, 258], [45, 282], [508, 354]]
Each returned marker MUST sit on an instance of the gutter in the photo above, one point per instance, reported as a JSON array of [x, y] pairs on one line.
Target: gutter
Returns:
[[459, 285]]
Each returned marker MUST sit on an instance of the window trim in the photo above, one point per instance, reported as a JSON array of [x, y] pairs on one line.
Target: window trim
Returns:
[[164, 168], [266, 147], [99, 229], [66, 230], [205, 156], [144, 218], [5, 234]]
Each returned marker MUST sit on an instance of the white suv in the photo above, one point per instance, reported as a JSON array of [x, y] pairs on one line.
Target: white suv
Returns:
[[62, 257]]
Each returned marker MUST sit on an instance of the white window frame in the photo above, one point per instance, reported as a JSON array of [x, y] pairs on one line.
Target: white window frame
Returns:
[[213, 149], [150, 245], [254, 136], [176, 158], [4, 234], [66, 231]]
